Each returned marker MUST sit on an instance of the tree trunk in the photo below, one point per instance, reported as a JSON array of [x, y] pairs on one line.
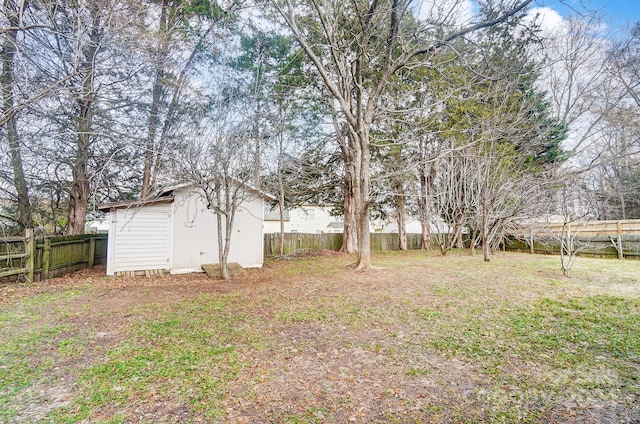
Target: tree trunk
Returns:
[[7, 82], [224, 269], [456, 241], [425, 222], [476, 236], [486, 242], [152, 128], [156, 97], [281, 204], [425, 237], [171, 117], [227, 204], [362, 167], [400, 211], [349, 233], [459, 241], [427, 179], [80, 187], [256, 135], [80, 190]]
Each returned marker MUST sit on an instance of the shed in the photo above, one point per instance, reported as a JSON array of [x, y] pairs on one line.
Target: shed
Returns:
[[175, 232]]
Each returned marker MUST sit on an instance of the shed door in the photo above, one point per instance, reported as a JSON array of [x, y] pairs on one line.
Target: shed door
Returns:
[[208, 238], [142, 238]]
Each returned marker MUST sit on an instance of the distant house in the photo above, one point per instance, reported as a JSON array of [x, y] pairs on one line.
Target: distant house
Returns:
[[413, 226], [309, 219], [96, 223], [175, 232]]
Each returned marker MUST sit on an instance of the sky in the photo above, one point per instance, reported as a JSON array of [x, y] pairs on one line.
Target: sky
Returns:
[[617, 14]]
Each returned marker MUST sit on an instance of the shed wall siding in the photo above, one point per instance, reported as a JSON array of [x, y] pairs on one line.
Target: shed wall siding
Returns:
[[141, 238], [195, 239]]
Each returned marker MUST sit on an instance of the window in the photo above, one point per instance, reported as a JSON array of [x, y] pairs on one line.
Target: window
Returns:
[[306, 214]]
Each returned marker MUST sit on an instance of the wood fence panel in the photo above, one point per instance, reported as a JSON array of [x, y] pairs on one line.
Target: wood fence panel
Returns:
[[297, 241], [294, 241], [600, 246], [70, 253], [16, 255], [51, 256], [619, 238], [628, 227]]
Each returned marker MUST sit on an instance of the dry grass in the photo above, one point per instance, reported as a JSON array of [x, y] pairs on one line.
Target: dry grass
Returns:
[[426, 339]]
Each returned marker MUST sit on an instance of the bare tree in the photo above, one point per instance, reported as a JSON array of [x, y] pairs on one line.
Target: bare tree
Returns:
[[356, 47], [574, 216], [614, 180], [180, 26], [219, 162], [11, 12], [427, 169], [614, 176], [454, 197], [85, 94]]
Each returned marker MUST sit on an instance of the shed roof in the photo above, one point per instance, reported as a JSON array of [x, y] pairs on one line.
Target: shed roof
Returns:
[[165, 195], [171, 189], [135, 203]]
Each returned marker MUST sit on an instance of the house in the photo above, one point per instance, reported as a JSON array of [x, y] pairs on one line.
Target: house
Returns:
[[96, 223], [175, 232], [309, 219], [413, 226]]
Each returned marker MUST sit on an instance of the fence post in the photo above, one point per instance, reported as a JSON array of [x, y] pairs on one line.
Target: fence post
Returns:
[[619, 240], [92, 252], [532, 250], [31, 250], [46, 259]]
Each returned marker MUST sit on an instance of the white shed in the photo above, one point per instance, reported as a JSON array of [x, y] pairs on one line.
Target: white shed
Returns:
[[175, 232]]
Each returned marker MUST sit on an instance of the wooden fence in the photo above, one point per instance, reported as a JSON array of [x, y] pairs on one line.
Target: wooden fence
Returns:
[[16, 256], [628, 227], [601, 245], [594, 238], [294, 241], [623, 246], [40, 258]]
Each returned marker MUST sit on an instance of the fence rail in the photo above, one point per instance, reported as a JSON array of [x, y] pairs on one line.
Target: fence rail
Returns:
[[40, 258]]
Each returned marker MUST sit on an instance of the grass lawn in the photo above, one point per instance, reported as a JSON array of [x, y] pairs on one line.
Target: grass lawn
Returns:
[[424, 339]]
